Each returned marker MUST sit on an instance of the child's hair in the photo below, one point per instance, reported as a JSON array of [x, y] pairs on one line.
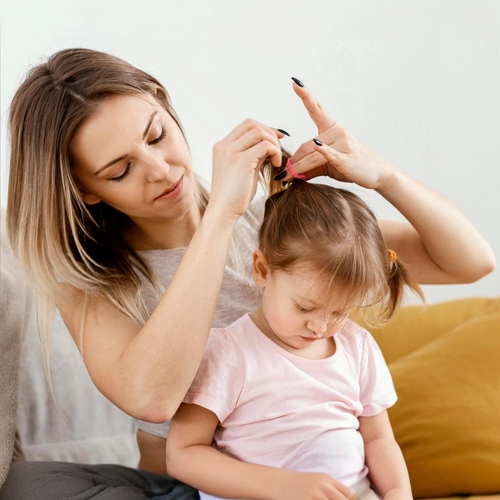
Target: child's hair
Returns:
[[332, 233]]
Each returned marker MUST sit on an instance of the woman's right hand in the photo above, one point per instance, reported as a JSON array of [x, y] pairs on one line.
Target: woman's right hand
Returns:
[[314, 486], [236, 164]]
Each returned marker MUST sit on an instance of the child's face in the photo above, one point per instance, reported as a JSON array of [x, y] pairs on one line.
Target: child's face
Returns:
[[293, 308]]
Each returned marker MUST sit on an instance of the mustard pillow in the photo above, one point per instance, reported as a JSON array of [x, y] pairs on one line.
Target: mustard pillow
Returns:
[[412, 327], [447, 418]]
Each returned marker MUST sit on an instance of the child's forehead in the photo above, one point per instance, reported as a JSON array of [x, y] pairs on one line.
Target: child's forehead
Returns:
[[304, 281], [313, 287]]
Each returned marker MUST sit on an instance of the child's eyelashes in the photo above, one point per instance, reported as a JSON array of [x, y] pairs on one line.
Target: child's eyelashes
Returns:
[[303, 309], [337, 314], [127, 169]]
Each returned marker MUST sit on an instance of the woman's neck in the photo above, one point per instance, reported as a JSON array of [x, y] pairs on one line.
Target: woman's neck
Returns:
[[159, 235]]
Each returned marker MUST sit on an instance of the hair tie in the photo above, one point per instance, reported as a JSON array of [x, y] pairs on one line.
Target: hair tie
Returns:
[[297, 176], [392, 254]]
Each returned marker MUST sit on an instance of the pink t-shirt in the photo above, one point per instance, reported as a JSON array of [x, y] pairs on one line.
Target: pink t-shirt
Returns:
[[282, 410]]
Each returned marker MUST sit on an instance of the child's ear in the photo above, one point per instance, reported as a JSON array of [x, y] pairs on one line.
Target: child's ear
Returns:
[[260, 268]]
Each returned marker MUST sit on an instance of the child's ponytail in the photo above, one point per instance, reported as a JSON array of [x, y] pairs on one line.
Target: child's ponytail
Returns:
[[350, 250]]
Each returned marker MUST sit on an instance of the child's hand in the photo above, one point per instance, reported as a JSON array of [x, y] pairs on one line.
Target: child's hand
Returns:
[[314, 486], [342, 156]]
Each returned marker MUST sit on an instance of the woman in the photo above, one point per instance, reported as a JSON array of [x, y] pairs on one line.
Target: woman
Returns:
[[98, 149]]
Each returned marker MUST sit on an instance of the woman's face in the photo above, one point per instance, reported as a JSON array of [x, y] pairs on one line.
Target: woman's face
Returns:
[[293, 307], [151, 153]]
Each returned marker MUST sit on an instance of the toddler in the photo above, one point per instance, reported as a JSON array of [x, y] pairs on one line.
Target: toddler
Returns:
[[290, 400]]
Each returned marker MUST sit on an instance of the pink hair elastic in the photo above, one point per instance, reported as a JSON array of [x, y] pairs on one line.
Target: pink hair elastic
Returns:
[[297, 176]]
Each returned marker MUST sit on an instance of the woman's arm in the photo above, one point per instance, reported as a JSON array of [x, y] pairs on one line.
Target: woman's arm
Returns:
[[191, 459], [440, 245], [387, 468], [147, 371]]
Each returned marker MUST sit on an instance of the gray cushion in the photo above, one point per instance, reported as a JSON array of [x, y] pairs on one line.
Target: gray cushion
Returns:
[[95, 431]]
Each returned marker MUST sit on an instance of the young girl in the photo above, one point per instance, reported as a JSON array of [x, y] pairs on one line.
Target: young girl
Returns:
[[290, 400]]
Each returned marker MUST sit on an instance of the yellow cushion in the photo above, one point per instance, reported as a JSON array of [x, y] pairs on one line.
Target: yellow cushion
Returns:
[[444, 360], [447, 418], [472, 497], [414, 326]]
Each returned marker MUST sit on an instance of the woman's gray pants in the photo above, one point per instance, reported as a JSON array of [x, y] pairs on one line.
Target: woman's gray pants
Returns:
[[73, 481]]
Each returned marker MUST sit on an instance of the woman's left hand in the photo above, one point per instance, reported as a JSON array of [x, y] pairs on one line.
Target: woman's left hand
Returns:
[[342, 156]]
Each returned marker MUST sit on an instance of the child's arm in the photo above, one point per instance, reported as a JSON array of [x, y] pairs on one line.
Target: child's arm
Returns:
[[383, 456], [191, 459]]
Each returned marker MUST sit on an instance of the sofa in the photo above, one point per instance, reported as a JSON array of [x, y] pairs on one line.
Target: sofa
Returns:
[[82, 425], [443, 359]]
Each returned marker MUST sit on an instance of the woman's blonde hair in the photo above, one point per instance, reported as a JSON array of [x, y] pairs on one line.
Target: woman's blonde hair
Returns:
[[333, 233], [54, 235]]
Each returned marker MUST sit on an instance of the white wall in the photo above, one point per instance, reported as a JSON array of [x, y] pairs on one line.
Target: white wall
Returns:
[[418, 81]]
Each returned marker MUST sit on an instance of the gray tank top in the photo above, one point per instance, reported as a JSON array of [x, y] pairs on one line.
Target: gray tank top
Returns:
[[238, 294]]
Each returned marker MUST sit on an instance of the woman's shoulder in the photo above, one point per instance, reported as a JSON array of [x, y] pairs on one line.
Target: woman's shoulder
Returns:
[[255, 211], [249, 223]]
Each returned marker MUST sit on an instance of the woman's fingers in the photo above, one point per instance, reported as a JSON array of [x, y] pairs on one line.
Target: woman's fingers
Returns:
[[323, 161], [255, 135], [261, 151], [330, 130], [337, 164], [319, 116], [308, 162], [336, 136], [247, 125]]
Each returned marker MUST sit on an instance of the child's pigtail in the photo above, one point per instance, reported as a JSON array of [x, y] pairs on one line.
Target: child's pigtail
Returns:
[[397, 277]]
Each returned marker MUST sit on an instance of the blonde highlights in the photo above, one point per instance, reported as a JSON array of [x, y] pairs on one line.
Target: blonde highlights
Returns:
[[54, 235]]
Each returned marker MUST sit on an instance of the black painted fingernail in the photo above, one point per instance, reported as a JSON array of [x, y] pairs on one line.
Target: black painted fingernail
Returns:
[[318, 142], [283, 131], [281, 175], [283, 183], [297, 81]]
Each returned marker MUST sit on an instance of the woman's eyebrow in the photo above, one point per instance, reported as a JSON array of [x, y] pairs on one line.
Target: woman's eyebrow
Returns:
[[146, 130]]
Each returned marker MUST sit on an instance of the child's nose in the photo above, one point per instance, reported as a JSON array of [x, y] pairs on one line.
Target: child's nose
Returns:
[[317, 326]]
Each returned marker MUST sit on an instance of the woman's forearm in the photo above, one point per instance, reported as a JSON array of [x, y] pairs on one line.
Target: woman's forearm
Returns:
[[449, 237], [164, 356], [212, 472]]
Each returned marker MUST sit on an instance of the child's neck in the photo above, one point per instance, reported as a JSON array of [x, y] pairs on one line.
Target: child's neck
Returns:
[[319, 349]]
